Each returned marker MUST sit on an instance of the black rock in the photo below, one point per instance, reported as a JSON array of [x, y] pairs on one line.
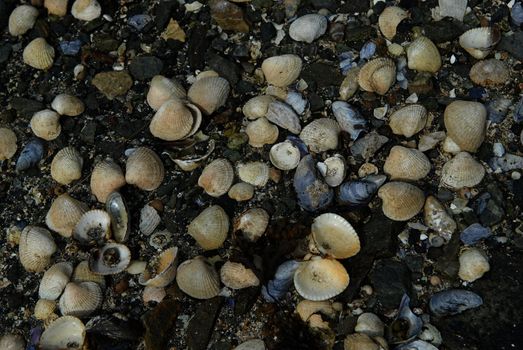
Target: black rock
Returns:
[[197, 46], [323, 74], [391, 280], [267, 31], [159, 323], [513, 44], [163, 13], [219, 44], [315, 101], [241, 50], [379, 7], [8, 115], [492, 214], [88, 132], [448, 263], [330, 5], [244, 87], [5, 51], [201, 325], [145, 67], [355, 6], [26, 107], [445, 30], [224, 67]]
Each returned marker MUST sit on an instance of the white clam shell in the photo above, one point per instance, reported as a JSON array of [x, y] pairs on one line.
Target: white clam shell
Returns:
[[320, 279], [321, 135], [237, 276], [80, 299], [162, 270], [65, 104], [39, 54], [22, 19], [66, 166], [308, 28], [54, 280], [285, 155], [210, 227], [163, 89], [64, 213], [335, 236], [46, 124], [66, 332], [8, 145], [94, 225]]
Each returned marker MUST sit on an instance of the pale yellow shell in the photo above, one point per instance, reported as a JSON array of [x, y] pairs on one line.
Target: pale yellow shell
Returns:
[[254, 173], [321, 135], [241, 191], [306, 308], [66, 332], [82, 273], [175, 120], [36, 248], [107, 177], [257, 106], [261, 132], [65, 104], [80, 299], [46, 124], [161, 271], [22, 19], [370, 324], [490, 72], [335, 236], [253, 223], [86, 10], [389, 19], [54, 280], [163, 89], [408, 120], [466, 124], [320, 279], [198, 278], [423, 55], [479, 42], [209, 93], [285, 155], [44, 309], [94, 225], [401, 201], [462, 171], [217, 177], [236, 276], [144, 169], [56, 7], [350, 84], [67, 166], [39, 54], [210, 227], [8, 145], [473, 264], [281, 70], [406, 164], [377, 75]]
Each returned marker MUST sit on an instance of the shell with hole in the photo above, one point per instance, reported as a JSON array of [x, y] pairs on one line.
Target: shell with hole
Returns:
[[466, 124], [39, 54], [377, 75], [282, 70], [335, 236], [473, 264], [490, 73], [237, 276], [120, 218], [423, 55], [217, 177], [406, 164], [110, 259], [209, 93], [35, 248], [46, 124], [93, 226], [462, 171], [401, 201], [210, 227], [253, 223], [389, 20], [161, 271], [83, 273], [106, 178], [175, 120], [320, 278], [54, 280], [408, 120], [257, 106], [149, 219], [163, 89], [308, 28], [479, 42], [66, 166], [284, 116], [333, 170], [56, 7], [242, 191], [8, 145], [321, 135], [66, 332], [144, 169], [86, 10], [285, 155], [22, 19], [80, 299], [197, 278], [261, 132], [254, 173], [65, 104]]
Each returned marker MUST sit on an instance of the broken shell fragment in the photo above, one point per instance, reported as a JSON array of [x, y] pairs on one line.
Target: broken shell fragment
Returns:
[[8, 145], [54, 280], [348, 118], [198, 278], [333, 170], [209, 93], [320, 279], [175, 120], [66, 166], [236, 276], [22, 19], [163, 89], [281, 70], [349, 85], [106, 178], [284, 116], [35, 248], [479, 42], [210, 227], [110, 259], [254, 173], [306, 308], [490, 73], [423, 55], [144, 169], [86, 10], [335, 236], [389, 19], [285, 155], [153, 294], [46, 124], [64, 213], [321, 135], [120, 220], [377, 75], [149, 220], [217, 177], [408, 120], [94, 225], [257, 106], [80, 299], [473, 264], [401, 201], [462, 171], [162, 270], [308, 28], [242, 191], [253, 223], [39, 54], [261, 132], [406, 164], [312, 192], [437, 218], [66, 332], [65, 104]]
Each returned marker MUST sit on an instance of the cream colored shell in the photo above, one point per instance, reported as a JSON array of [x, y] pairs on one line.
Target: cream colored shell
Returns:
[[54, 280], [306, 308], [149, 219], [110, 259], [281, 70], [11, 341], [80, 299], [408, 120], [490, 73], [66, 166], [377, 75], [253, 223], [473, 264], [254, 173], [242, 191], [257, 106], [261, 132], [308, 28], [479, 42], [401, 201], [335, 236], [56, 7], [36, 248], [360, 341], [333, 170], [320, 279], [284, 155], [209, 93], [65, 104], [406, 164], [321, 135], [370, 324], [153, 294], [423, 55], [22, 19], [66, 332], [162, 270], [163, 89], [8, 145], [82, 273], [175, 120], [210, 227], [46, 124], [217, 177], [94, 225], [198, 278], [144, 169], [237, 276], [389, 20], [107, 177], [462, 171], [466, 124], [39, 54], [86, 10]]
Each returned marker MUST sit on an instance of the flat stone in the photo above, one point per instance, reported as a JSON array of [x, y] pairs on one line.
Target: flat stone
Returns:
[[88, 132], [228, 16], [391, 280], [201, 325], [113, 83], [26, 107], [145, 67], [368, 145], [323, 73], [159, 323]]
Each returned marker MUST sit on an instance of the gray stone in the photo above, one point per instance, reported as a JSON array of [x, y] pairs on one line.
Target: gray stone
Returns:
[[513, 44], [145, 67], [26, 107], [391, 280]]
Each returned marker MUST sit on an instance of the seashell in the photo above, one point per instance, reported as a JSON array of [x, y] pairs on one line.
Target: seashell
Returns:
[[360, 341], [12, 341], [192, 161], [153, 294], [389, 20], [106, 178], [406, 164], [370, 324], [281, 70], [257, 107], [86, 10], [209, 93], [80, 299], [474, 234], [22, 19], [261, 132], [161, 271], [453, 8], [320, 279], [242, 191], [401, 201], [479, 42], [36, 248], [175, 120], [349, 119], [236, 276], [335, 236], [163, 89], [497, 109], [46, 124], [149, 219], [453, 301], [64, 213], [333, 170], [198, 278], [462, 171], [210, 227], [423, 55], [253, 223], [284, 116], [395, 50], [429, 141], [217, 177], [473, 263], [360, 192], [490, 72], [306, 308], [8, 145], [254, 173], [94, 225], [431, 334], [408, 120], [82, 273], [349, 85], [54, 280], [119, 214], [417, 345], [296, 101], [44, 309], [308, 28], [407, 325], [110, 259], [136, 267], [321, 135], [278, 287], [56, 7], [284, 155], [160, 239], [67, 166], [437, 218], [66, 332], [312, 193], [39, 54], [377, 75], [144, 169], [253, 344], [69, 105]]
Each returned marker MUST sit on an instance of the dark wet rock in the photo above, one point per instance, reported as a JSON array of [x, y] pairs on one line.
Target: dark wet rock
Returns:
[[313, 194], [391, 280], [159, 323], [453, 301], [323, 74], [513, 44], [113, 83], [241, 51], [330, 5], [245, 300], [70, 48], [244, 87], [489, 207], [229, 16], [5, 10], [474, 234], [139, 22], [268, 32], [315, 101], [114, 328], [421, 85], [105, 42], [197, 46], [368, 145], [88, 132], [145, 67], [162, 13], [7, 115], [224, 67], [355, 6], [26, 107], [201, 324], [448, 263], [5, 51], [358, 34]]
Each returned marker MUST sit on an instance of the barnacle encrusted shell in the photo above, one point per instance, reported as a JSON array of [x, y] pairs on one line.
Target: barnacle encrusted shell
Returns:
[[94, 225], [437, 218], [80, 299], [320, 278], [308, 28], [242, 191], [46, 124], [462, 171], [261, 132], [107, 177], [64, 213], [110, 259], [321, 135], [163, 89], [65, 104], [408, 120], [67, 166], [466, 124], [377, 75], [479, 42], [401, 201], [335, 236], [54, 280], [83, 273], [473, 264], [86, 10], [406, 164], [423, 55], [490, 72], [210, 227], [66, 332], [252, 223], [281, 70], [209, 93], [389, 19], [198, 278], [56, 7], [217, 177], [36, 248], [257, 106], [39, 54], [162, 270], [22, 19], [175, 120], [144, 169], [237, 276], [285, 155], [254, 173], [8, 145]]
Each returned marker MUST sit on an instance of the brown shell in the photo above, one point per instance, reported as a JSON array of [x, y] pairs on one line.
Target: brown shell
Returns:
[[210, 227], [163, 89], [106, 178], [56, 7], [490, 72], [253, 223], [64, 213], [241, 191], [65, 104], [217, 177], [423, 55], [209, 93], [198, 278], [408, 120], [389, 19], [66, 166], [8, 145], [39, 54], [144, 169], [282, 70], [406, 164], [377, 75], [36, 248], [401, 201], [466, 124], [462, 171], [174, 121]]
